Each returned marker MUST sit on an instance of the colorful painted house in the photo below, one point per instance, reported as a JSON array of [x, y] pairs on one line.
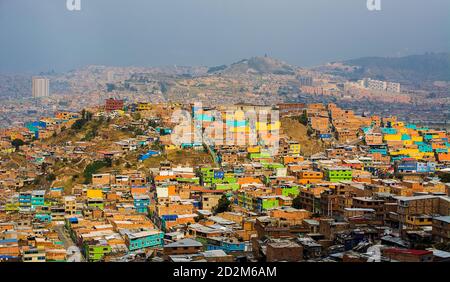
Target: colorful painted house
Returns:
[[141, 202], [225, 244], [144, 239], [336, 174], [96, 252], [37, 198]]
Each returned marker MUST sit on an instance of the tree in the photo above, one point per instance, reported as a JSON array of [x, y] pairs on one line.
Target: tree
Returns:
[[17, 143], [297, 202], [51, 177], [445, 177], [78, 124], [303, 119], [92, 168], [223, 205], [153, 123]]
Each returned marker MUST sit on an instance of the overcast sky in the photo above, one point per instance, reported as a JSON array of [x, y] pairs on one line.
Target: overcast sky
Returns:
[[40, 35]]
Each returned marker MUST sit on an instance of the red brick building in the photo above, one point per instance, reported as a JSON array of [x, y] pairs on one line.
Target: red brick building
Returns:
[[113, 104]]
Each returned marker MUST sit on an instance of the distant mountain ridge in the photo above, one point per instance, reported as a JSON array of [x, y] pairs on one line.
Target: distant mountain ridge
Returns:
[[255, 65], [413, 68]]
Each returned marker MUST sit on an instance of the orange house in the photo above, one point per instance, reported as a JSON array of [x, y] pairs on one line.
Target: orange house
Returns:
[[160, 178], [292, 159], [294, 216], [249, 180], [309, 176], [139, 190], [444, 157]]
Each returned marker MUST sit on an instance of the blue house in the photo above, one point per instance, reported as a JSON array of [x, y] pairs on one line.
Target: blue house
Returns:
[[141, 202], [43, 217], [325, 136], [424, 148], [163, 131], [218, 174], [411, 126], [236, 123], [191, 145], [382, 151], [406, 165], [388, 130], [426, 167], [37, 198], [144, 239], [149, 154], [25, 200], [35, 126], [226, 244]]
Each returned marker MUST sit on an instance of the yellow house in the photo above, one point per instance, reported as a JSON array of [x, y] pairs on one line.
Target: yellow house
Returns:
[[407, 142], [294, 148], [274, 126], [414, 220], [94, 194], [170, 147], [8, 150], [261, 126], [392, 137], [417, 138], [240, 129], [254, 149], [144, 106]]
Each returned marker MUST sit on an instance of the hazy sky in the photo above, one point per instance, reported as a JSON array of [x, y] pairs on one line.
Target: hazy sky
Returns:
[[40, 35]]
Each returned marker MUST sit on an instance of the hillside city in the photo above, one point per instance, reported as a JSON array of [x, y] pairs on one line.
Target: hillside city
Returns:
[[258, 80], [241, 178]]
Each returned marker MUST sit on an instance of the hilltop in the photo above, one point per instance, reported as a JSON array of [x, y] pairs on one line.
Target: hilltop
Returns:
[[255, 65]]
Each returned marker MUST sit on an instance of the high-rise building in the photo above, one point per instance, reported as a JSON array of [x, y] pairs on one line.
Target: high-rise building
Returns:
[[379, 85], [305, 80], [40, 87]]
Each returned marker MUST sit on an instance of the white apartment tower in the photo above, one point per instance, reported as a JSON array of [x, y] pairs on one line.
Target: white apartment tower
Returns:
[[40, 87]]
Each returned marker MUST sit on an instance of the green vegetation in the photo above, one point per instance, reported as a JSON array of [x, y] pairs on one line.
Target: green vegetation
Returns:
[[80, 123], [223, 205], [303, 119], [443, 247], [216, 69], [297, 202], [93, 168], [157, 146], [51, 177], [445, 177], [17, 143]]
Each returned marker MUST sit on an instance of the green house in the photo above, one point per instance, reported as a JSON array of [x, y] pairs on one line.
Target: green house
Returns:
[[264, 203], [96, 253], [96, 203], [290, 191], [336, 174], [228, 186]]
